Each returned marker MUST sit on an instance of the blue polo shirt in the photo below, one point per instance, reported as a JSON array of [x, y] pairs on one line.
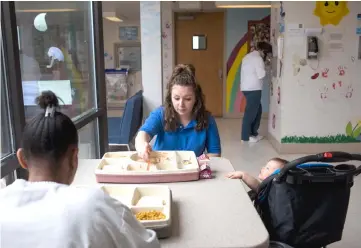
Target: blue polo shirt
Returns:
[[184, 138]]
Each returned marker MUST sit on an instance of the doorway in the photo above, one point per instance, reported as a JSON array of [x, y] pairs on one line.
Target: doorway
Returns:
[[208, 60]]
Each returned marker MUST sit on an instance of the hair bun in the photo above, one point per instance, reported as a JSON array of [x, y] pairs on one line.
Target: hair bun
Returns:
[[47, 98], [179, 69]]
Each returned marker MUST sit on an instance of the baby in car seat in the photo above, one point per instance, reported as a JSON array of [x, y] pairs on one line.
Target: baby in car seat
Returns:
[[253, 183]]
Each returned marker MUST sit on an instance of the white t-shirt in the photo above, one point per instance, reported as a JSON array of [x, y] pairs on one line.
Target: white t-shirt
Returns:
[[52, 215], [252, 72]]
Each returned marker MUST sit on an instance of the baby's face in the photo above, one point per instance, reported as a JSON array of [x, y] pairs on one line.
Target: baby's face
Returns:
[[268, 169]]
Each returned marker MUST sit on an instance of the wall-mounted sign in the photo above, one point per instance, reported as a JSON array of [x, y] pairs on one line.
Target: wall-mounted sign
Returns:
[[129, 33]]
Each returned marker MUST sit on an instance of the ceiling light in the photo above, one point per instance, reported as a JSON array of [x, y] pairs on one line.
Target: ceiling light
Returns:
[[243, 4], [112, 16], [113, 19], [45, 10]]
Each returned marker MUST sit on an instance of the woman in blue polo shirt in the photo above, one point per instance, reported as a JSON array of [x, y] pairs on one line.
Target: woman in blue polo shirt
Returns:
[[183, 123]]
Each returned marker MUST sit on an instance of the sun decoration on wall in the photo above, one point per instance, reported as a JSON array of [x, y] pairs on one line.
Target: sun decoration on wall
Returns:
[[331, 12]]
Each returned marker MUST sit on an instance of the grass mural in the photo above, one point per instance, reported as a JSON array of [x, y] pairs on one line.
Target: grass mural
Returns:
[[352, 135]]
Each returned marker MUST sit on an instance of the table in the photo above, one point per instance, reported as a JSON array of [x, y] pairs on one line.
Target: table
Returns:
[[206, 213]]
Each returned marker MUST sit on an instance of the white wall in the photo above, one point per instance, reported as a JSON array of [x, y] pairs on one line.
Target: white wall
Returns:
[[302, 112], [150, 19], [274, 113], [167, 43]]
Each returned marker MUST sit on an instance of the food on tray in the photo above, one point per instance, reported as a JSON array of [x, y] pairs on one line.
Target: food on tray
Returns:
[[155, 158], [164, 155], [187, 162], [151, 160], [141, 168], [150, 215], [150, 201]]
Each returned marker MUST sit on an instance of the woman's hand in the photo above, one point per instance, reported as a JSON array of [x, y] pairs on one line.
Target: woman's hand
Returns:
[[214, 155], [142, 145], [235, 175], [144, 150]]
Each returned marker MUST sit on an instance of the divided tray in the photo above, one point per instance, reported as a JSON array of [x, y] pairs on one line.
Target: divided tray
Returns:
[[163, 166], [144, 198]]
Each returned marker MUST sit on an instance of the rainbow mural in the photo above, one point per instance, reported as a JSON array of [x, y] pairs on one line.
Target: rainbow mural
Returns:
[[235, 102]]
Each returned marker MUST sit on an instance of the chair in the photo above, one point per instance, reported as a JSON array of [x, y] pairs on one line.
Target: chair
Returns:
[[122, 130]]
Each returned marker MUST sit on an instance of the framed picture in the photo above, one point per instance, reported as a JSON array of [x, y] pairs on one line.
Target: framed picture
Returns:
[[130, 33], [128, 55]]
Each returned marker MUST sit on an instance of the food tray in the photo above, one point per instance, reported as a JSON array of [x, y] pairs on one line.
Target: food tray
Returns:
[[164, 167], [146, 198]]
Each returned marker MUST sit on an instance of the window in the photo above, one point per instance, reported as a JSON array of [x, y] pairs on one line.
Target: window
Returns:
[[6, 144], [88, 140], [52, 46], [56, 53], [199, 42]]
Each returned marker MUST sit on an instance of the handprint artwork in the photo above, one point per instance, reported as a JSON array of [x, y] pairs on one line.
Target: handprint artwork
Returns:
[[338, 84], [325, 73], [349, 91], [341, 70], [323, 93]]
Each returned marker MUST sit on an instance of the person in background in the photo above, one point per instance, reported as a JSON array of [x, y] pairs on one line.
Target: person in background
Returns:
[[45, 211], [271, 167], [183, 123], [252, 74]]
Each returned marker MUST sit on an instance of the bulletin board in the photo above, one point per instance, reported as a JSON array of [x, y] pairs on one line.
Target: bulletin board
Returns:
[[258, 31], [130, 33], [128, 55]]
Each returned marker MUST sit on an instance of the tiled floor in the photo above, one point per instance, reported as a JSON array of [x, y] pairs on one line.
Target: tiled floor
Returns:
[[251, 157]]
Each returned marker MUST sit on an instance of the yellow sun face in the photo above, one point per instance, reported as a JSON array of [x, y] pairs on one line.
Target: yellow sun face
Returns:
[[331, 12]]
